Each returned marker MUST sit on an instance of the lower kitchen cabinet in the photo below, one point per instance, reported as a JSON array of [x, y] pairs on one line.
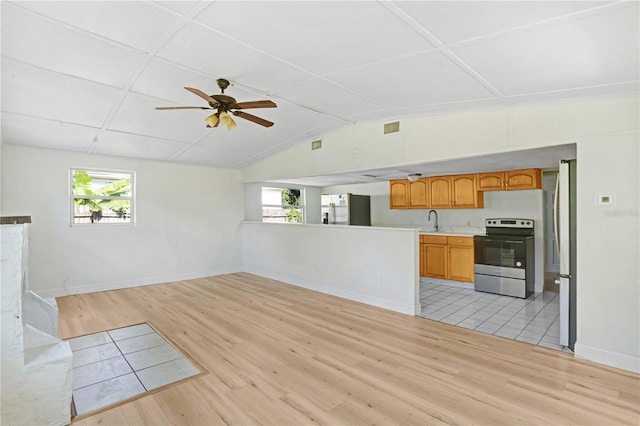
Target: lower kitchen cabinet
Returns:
[[446, 257]]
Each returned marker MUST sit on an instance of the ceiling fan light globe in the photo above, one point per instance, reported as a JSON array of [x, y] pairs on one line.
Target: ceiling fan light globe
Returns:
[[231, 124], [224, 118], [211, 120]]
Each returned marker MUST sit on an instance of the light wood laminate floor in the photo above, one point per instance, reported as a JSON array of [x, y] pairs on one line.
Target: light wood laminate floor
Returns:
[[277, 354]]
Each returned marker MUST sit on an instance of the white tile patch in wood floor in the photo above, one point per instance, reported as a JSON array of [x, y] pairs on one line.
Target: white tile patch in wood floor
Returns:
[[116, 365], [533, 320]]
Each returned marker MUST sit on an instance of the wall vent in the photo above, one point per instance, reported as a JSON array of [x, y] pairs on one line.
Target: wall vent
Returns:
[[393, 127], [317, 144]]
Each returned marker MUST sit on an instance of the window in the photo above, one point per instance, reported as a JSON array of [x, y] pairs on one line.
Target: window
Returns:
[[282, 205], [101, 196]]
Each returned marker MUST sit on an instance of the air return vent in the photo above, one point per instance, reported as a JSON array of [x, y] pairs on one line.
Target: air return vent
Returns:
[[393, 127], [317, 144]]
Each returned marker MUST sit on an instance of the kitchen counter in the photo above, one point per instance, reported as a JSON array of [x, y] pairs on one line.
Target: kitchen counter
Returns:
[[444, 231], [452, 234], [454, 231]]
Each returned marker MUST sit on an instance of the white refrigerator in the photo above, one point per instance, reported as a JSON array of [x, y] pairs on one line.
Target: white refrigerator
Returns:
[[565, 229]]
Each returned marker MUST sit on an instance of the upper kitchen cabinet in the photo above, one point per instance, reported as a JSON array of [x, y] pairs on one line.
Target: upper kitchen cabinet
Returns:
[[464, 194], [398, 194], [491, 181], [440, 192], [458, 192], [511, 180], [404, 194], [524, 179]]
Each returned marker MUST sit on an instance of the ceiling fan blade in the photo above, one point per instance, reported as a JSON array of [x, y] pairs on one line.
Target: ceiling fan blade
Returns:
[[202, 95], [250, 117], [254, 104], [183, 107]]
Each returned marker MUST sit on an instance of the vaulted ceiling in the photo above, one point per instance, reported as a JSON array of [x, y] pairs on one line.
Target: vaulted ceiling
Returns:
[[87, 75]]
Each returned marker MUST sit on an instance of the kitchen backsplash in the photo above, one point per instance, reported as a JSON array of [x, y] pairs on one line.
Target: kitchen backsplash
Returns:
[[521, 204]]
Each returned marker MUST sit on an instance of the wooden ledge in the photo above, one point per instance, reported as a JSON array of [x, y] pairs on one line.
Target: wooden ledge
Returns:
[[14, 220]]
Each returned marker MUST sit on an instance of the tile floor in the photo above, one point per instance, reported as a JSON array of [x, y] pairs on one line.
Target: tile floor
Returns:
[[533, 320], [115, 365]]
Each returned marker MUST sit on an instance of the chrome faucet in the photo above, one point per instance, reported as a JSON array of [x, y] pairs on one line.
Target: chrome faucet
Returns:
[[429, 218]]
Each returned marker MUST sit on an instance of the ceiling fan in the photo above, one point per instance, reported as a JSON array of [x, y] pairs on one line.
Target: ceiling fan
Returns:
[[224, 105]]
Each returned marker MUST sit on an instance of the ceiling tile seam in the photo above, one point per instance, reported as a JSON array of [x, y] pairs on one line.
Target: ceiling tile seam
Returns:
[[405, 112], [333, 83], [61, 122], [595, 86], [182, 22], [430, 37], [78, 29], [574, 16], [190, 145], [255, 49], [49, 70], [125, 132]]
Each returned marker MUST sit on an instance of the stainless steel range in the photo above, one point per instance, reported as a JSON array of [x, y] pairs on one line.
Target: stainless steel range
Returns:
[[504, 258]]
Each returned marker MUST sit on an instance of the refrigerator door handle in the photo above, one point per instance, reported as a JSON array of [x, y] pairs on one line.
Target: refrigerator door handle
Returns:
[[556, 202]]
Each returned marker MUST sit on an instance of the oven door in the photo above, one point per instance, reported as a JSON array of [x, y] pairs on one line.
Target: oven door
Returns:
[[500, 251]]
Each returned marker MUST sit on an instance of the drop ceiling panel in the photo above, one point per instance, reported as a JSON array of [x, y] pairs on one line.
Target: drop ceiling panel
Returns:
[[128, 145], [212, 156], [138, 115], [35, 92], [133, 23], [423, 79], [321, 37], [585, 52], [31, 131], [480, 18], [329, 98], [623, 89], [35, 40], [296, 118], [181, 7], [205, 50], [167, 80]]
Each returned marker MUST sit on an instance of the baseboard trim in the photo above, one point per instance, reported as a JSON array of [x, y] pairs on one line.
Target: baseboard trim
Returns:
[[606, 357], [391, 305], [116, 285]]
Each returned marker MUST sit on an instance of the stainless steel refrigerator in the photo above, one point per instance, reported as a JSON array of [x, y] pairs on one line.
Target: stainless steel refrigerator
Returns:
[[346, 209], [565, 229]]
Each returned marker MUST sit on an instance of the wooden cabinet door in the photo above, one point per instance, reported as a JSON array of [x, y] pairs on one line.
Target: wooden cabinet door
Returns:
[[418, 192], [423, 260], [461, 258], [398, 194], [440, 192], [492, 181], [523, 179], [436, 260], [463, 192]]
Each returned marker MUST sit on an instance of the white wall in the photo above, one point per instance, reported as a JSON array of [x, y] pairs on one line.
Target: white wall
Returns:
[[377, 266], [188, 223], [608, 251], [606, 135]]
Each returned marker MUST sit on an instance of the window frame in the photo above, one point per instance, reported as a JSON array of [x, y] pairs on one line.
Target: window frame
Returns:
[[302, 206], [93, 171]]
